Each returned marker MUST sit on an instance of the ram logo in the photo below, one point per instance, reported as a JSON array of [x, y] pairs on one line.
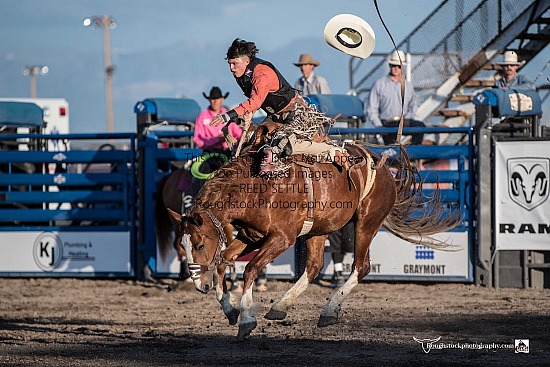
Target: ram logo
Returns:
[[528, 181]]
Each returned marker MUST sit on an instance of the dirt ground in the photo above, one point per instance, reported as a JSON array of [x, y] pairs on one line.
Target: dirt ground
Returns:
[[84, 322]]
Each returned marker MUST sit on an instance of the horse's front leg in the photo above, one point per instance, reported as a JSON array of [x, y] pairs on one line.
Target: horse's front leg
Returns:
[[222, 294], [275, 244], [314, 264], [224, 297]]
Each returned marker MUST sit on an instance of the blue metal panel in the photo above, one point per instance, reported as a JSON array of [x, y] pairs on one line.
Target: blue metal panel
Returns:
[[21, 114], [87, 156], [511, 102], [487, 97], [63, 179], [170, 109], [43, 215], [426, 152], [80, 196], [429, 176], [333, 104]]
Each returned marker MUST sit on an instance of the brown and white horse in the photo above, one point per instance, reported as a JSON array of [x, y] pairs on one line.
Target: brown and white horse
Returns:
[[315, 200]]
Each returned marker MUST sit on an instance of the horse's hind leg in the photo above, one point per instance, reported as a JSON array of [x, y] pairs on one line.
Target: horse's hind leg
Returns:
[[314, 263], [366, 227]]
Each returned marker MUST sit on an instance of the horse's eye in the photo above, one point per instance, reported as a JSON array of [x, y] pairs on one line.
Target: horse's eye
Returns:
[[200, 247]]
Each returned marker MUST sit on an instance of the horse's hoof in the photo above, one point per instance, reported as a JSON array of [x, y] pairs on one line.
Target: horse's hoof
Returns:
[[246, 329], [326, 321], [233, 316], [275, 315]]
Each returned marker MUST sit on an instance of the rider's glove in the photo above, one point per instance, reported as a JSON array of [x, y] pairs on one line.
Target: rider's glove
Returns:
[[225, 117]]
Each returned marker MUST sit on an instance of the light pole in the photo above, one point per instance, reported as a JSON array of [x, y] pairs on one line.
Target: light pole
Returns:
[[106, 23], [32, 71]]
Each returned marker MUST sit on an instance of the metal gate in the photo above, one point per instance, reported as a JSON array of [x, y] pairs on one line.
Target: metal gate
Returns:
[[68, 212]]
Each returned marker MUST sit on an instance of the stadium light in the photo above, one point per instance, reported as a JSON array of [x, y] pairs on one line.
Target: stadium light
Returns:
[[32, 71], [106, 23]]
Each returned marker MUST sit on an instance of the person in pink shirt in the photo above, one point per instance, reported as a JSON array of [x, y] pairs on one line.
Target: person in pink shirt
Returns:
[[210, 138]]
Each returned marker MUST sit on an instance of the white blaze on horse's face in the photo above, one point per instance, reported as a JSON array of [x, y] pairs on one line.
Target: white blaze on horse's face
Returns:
[[198, 260], [187, 246]]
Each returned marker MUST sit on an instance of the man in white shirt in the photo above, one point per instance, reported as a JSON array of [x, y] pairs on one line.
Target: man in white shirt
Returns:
[[384, 107], [310, 83]]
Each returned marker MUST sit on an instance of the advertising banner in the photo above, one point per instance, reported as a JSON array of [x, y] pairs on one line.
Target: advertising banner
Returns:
[[522, 203], [65, 253], [394, 258]]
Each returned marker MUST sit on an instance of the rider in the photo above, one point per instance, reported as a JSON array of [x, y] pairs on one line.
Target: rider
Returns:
[[266, 88]]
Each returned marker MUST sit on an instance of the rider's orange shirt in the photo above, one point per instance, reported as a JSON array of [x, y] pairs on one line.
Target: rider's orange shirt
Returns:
[[264, 80]]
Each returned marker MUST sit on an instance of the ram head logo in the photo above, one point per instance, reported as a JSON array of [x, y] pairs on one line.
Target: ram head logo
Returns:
[[528, 181]]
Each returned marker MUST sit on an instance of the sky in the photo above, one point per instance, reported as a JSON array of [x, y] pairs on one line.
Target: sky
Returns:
[[173, 48]]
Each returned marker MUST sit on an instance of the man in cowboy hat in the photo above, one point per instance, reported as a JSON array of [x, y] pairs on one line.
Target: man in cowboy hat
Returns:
[[510, 79], [310, 83], [207, 137], [385, 101]]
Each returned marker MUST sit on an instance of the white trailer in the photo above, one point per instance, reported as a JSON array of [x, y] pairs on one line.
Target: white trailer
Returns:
[[56, 117]]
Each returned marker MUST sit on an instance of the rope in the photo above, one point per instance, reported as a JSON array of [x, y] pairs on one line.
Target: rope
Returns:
[[195, 167], [402, 81]]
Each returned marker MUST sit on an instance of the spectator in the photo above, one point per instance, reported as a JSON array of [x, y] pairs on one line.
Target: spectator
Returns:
[[211, 138], [385, 102], [341, 241], [207, 137], [509, 73], [310, 83]]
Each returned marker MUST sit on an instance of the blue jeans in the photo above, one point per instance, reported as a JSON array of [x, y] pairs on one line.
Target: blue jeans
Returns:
[[416, 138]]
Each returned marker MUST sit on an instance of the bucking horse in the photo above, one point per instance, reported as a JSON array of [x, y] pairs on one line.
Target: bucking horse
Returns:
[[311, 200]]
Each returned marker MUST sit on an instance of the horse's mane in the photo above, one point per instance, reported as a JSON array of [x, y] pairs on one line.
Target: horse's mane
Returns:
[[225, 182]]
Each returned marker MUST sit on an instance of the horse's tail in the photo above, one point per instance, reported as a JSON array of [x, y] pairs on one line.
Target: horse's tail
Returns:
[[163, 224], [414, 216]]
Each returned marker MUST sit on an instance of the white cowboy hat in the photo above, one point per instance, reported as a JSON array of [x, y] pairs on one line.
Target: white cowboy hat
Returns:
[[351, 35], [396, 56], [510, 58]]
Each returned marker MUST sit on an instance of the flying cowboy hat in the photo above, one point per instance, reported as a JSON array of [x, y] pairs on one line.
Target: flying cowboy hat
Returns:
[[215, 93], [351, 35]]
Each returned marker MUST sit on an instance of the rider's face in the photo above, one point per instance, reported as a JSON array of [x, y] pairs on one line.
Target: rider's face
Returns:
[[238, 65]]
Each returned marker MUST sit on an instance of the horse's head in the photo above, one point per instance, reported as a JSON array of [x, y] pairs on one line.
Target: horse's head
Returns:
[[202, 238]]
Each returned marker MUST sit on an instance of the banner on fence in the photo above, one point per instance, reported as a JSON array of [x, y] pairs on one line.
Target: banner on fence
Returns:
[[66, 253], [393, 258], [522, 198]]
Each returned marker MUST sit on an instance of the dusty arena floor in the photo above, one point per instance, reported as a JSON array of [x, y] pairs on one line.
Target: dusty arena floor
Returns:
[[74, 322]]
